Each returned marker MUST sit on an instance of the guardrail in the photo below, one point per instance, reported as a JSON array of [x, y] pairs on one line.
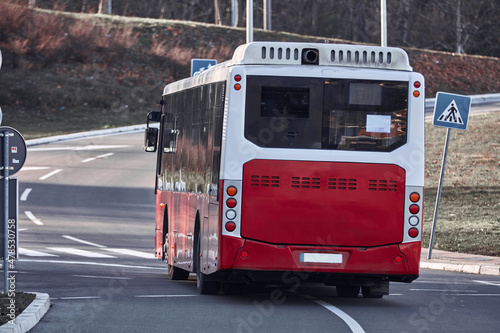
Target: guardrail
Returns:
[[429, 107], [476, 100]]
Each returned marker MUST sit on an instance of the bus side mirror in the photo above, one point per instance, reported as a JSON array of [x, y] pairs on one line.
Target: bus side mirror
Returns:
[[150, 139]]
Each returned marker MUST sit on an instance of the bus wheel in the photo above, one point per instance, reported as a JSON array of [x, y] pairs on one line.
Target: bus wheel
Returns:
[[204, 284], [347, 291], [377, 291], [174, 273]]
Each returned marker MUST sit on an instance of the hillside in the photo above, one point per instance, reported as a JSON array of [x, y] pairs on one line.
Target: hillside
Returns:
[[66, 72]]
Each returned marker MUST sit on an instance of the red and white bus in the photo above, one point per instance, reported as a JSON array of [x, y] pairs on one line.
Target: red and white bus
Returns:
[[293, 160]]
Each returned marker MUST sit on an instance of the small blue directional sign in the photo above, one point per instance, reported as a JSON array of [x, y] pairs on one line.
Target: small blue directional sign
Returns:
[[199, 65], [451, 110]]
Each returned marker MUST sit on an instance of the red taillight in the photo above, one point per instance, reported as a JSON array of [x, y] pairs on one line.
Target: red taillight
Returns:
[[237, 78], [414, 209], [231, 191], [244, 254], [231, 203], [230, 226], [413, 232], [398, 259], [416, 84]]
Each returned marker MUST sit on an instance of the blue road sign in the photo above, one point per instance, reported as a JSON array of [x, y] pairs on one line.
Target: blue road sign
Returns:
[[451, 111], [199, 65]]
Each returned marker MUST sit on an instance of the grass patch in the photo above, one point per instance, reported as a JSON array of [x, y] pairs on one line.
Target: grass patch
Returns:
[[469, 211]]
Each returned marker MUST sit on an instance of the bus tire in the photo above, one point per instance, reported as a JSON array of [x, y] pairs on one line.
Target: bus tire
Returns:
[[174, 273], [347, 291], [377, 291], [204, 284]]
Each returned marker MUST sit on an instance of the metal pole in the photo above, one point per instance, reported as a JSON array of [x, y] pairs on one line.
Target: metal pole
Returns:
[[234, 13], [267, 14], [438, 197], [6, 212], [249, 21], [383, 23]]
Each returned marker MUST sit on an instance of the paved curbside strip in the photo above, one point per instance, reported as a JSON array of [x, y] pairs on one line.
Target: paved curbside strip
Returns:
[[30, 316], [470, 269]]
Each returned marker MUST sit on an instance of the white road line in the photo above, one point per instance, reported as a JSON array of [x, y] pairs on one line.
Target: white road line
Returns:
[[28, 168], [160, 296], [79, 252], [444, 290], [104, 277], [133, 253], [78, 148], [353, 325], [33, 253], [76, 297], [50, 174], [97, 157], [495, 295], [88, 263], [82, 241], [33, 218], [488, 283], [25, 194]]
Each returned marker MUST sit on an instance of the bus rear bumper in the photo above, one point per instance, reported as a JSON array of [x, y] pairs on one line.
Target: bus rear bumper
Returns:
[[397, 261]]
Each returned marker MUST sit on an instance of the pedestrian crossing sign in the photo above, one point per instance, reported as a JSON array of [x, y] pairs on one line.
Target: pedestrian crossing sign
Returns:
[[451, 110]]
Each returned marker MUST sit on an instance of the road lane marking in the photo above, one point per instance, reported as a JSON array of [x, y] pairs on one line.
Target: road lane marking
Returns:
[[97, 157], [488, 283], [444, 290], [104, 277], [33, 218], [353, 325], [88, 263], [50, 174], [82, 241], [161, 296], [79, 252], [25, 194], [28, 168], [33, 253], [133, 253], [78, 148], [76, 297]]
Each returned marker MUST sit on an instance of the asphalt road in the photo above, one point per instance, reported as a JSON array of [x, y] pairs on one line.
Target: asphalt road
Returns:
[[86, 239]]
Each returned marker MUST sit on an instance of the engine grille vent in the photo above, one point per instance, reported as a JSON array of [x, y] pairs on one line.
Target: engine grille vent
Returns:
[[306, 182], [265, 181], [342, 184], [382, 185]]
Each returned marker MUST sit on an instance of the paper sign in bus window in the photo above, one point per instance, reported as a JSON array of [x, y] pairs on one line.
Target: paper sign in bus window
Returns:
[[378, 124]]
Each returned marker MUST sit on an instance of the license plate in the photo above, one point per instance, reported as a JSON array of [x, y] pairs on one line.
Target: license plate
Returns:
[[321, 258]]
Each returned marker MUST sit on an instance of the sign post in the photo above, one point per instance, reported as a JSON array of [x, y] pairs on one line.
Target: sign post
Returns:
[[13, 154], [450, 111]]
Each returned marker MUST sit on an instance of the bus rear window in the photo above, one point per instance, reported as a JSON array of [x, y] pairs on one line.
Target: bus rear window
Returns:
[[364, 115], [284, 102], [334, 114]]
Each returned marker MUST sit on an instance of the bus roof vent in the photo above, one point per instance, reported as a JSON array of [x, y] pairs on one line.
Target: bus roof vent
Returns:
[[275, 53]]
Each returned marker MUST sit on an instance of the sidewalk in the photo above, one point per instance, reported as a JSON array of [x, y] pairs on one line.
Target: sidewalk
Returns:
[[460, 262]]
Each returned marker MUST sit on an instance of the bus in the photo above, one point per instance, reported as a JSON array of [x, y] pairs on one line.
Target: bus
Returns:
[[292, 162]]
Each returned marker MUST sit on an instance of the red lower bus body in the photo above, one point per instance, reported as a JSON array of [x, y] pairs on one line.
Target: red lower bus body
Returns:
[[289, 208]]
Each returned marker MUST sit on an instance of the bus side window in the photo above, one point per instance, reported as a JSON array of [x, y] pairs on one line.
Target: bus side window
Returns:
[[170, 134]]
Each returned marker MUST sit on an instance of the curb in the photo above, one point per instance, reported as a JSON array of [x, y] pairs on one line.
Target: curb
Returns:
[[462, 268], [30, 316]]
